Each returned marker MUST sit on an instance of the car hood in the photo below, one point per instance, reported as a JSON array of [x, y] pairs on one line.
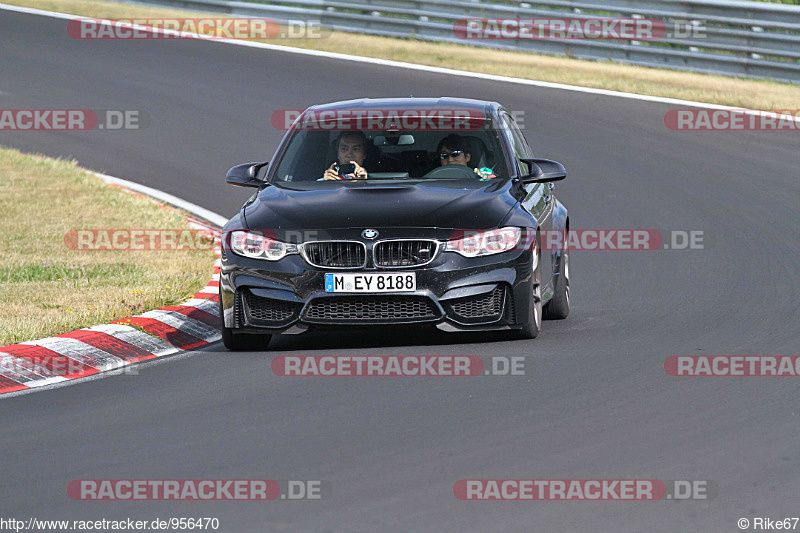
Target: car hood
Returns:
[[441, 204]]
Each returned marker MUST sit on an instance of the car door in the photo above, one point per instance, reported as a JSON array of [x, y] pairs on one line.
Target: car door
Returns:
[[539, 199]]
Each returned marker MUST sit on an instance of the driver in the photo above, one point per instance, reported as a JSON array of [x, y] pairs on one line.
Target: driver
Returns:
[[453, 150], [351, 147]]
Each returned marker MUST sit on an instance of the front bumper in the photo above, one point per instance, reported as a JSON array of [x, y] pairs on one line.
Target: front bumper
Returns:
[[454, 293]]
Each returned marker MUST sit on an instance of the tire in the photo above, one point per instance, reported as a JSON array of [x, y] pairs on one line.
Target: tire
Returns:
[[241, 341], [558, 306], [534, 326]]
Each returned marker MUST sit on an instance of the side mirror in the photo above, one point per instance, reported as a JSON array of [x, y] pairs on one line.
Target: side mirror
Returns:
[[245, 175], [543, 171]]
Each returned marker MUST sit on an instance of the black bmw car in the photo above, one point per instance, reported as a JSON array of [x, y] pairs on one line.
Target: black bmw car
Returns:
[[409, 211]]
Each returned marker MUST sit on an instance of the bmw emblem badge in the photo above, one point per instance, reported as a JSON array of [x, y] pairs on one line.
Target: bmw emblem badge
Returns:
[[369, 233]]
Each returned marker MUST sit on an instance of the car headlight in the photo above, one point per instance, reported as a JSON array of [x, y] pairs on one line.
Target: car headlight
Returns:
[[256, 245], [478, 243]]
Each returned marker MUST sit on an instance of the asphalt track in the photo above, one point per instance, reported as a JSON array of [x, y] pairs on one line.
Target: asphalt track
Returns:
[[595, 401]]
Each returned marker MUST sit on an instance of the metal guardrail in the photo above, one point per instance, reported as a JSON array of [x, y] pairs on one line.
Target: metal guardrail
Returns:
[[736, 38]]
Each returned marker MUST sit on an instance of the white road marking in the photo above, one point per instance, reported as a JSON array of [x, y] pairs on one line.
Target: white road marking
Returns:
[[80, 351], [133, 336], [183, 323]]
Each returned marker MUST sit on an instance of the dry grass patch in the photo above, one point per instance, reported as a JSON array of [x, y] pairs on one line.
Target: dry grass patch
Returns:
[[47, 288]]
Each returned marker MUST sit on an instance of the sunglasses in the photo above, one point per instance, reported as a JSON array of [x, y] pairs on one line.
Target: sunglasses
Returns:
[[453, 155]]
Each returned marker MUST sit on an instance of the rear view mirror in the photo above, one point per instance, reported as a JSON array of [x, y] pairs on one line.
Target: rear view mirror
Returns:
[[543, 171], [245, 175], [393, 140]]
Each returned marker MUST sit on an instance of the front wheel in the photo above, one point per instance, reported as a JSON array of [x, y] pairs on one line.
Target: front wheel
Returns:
[[558, 306], [240, 341], [534, 326]]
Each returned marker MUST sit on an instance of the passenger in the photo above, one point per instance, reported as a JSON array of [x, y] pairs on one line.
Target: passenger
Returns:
[[453, 150]]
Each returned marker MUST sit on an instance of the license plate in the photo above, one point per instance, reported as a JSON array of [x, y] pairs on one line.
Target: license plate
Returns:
[[406, 282]]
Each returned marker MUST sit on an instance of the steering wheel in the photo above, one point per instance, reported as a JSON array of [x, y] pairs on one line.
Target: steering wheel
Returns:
[[452, 172]]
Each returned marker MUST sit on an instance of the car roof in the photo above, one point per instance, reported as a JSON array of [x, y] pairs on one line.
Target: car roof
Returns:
[[484, 106]]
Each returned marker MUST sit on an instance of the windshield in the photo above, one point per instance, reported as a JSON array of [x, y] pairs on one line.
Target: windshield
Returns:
[[394, 155]]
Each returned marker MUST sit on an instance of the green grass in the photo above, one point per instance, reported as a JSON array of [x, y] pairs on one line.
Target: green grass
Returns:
[[47, 287], [65, 272]]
